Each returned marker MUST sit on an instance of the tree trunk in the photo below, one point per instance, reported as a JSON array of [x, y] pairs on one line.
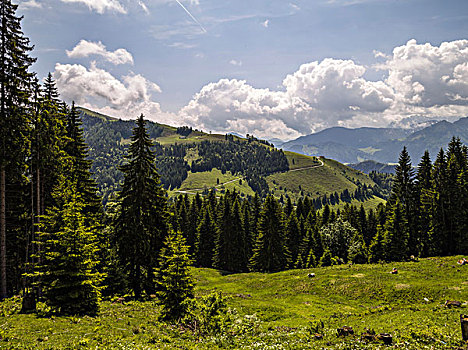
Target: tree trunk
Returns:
[[3, 260]]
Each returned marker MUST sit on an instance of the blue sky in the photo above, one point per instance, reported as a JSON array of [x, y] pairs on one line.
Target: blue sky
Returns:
[[271, 68]]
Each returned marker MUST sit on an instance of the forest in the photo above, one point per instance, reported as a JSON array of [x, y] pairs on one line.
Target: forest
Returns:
[[60, 245]]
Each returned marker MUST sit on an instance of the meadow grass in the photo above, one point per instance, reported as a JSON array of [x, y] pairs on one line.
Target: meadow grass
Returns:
[[274, 311]]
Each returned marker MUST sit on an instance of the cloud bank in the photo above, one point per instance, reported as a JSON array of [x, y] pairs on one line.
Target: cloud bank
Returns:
[[87, 48], [101, 6], [420, 80]]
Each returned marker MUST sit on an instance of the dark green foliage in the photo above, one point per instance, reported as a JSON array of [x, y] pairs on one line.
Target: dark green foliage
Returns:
[[175, 283], [16, 87], [270, 252], [141, 224], [205, 245], [67, 271], [395, 239], [230, 244], [293, 235]]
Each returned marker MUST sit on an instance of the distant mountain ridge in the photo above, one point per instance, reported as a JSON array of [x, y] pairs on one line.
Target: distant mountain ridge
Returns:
[[378, 144]]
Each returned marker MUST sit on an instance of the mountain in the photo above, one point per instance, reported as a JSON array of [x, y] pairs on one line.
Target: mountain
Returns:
[[191, 161], [379, 144], [368, 166]]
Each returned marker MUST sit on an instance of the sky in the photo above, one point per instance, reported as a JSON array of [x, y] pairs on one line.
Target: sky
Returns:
[[269, 68]]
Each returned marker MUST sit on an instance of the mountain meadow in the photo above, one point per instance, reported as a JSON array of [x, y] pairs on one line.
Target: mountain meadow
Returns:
[[137, 235]]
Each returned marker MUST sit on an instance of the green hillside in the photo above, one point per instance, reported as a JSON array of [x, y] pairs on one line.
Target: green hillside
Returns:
[[274, 311], [191, 161]]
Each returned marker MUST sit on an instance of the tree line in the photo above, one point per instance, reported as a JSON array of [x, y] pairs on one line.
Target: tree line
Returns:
[[57, 243]]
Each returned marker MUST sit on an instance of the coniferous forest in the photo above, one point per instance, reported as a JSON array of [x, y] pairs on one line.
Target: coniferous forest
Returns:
[[60, 245]]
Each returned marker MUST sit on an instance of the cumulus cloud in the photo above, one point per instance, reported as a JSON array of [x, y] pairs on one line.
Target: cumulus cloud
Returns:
[[429, 76], [101, 6], [99, 90], [421, 79], [89, 48], [30, 4]]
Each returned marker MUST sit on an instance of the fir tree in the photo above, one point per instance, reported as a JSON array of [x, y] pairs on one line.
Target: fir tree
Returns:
[[175, 284], [204, 248], [395, 240], [15, 91], [68, 273], [270, 251], [141, 224]]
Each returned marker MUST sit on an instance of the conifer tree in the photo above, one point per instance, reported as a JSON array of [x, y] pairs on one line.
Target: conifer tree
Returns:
[[424, 185], [67, 271], [141, 224], [293, 235], [439, 235], [15, 91], [229, 244], [77, 150], [175, 283], [270, 252], [204, 249], [405, 192], [395, 239]]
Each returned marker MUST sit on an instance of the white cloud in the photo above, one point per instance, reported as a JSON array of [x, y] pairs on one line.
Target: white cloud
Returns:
[[88, 48], [101, 6], [99, 90], [181, 45], [30, 4], [144, 7], [266, 23], [429, 76], [424, 80], [235, 63]]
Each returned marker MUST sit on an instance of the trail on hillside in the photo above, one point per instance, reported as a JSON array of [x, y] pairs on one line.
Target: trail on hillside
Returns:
[[195, 190]]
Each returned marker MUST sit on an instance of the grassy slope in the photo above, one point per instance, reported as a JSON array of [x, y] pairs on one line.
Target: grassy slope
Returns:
[[317, 181], [361, 296]]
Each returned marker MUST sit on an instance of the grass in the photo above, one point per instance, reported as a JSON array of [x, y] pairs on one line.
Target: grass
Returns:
[[197, 182], [315, 182], [408, 305]]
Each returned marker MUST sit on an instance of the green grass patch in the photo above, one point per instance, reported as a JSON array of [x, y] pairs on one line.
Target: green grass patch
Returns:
[[274, 311]]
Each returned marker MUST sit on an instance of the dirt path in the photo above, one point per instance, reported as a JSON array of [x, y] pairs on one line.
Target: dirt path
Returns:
[[195, 190], [310, 167]]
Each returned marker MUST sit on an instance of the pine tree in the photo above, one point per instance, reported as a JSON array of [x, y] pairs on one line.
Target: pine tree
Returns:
[[175, 284], [405, 192], [439, 235], [395, 239], [293, 235], [77, 150], [67, 271], [424, 185], [230, 238], [141, 224], [270, 252], [15, 91], [205, 245]]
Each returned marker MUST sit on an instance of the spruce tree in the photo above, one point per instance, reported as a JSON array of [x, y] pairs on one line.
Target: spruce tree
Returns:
[[395, 239], [424, 185], [77, 150], [15, 109], [404, 191], [293, 235], [175, 283], [270, 252], [67, 270], [141, 224], [204, 249]]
